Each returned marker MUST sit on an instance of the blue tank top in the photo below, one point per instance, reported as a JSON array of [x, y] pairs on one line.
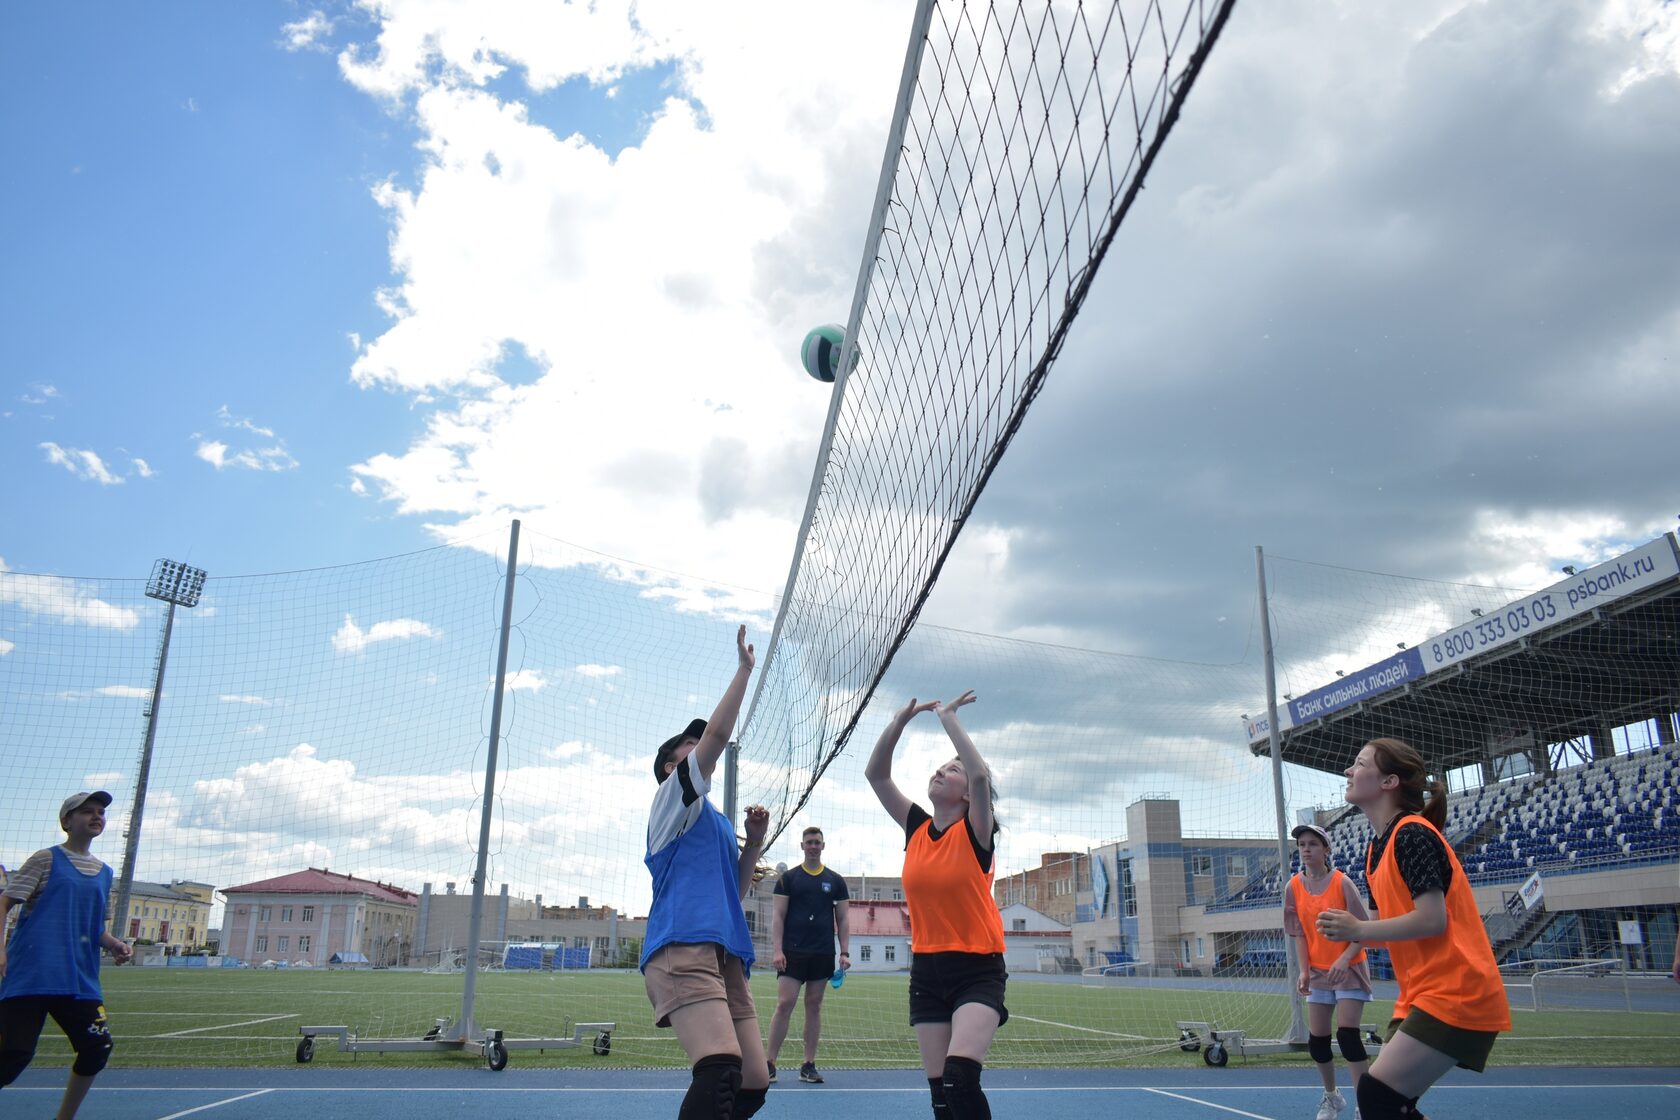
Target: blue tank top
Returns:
[[696, 892], [55, 948]]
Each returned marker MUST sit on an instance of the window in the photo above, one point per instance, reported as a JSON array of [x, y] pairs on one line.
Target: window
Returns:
[[898, 895], [1019, 925], [1186, 944], [1239, 866], [1201, 948], [865, 953], [263, 914], [308, 914], [890, 952], [600, 944], [284, 944], [1128, 890], [580, 942], [1201, 865], [303, 944], [875, 894], [285, 913], [262, 945], [752, 921]]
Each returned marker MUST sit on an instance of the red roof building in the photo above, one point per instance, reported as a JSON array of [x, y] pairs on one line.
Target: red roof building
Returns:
[[307, 917]]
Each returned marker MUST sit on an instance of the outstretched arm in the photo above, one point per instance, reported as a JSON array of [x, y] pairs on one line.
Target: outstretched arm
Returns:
[[979, 778], [746, 867], [721, 727], [1428, 918], [879, 770]]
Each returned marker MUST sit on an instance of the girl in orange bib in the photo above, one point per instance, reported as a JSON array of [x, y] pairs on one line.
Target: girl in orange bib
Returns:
[[1452, 1001], [956, 933], [1334, 976]]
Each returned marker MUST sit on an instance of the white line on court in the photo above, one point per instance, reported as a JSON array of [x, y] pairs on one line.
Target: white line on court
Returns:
[[225, 1026], [1208, 1104], [1087, 1030], [215, 1104]]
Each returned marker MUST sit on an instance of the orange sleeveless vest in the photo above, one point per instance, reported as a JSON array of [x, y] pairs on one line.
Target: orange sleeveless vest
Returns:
[[949, 897], [1452, 976], [1321, 951]]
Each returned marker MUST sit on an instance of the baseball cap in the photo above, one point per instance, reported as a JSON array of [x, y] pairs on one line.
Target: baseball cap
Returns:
[[77, 800], [1295, 833], [695, 729]]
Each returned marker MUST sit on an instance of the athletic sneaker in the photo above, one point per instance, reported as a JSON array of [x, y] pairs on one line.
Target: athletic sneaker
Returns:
[[1332, 1105], [772, 1066], [808, 1072]]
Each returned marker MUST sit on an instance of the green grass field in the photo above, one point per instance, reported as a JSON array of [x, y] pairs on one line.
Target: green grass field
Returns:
[[226, 1017]]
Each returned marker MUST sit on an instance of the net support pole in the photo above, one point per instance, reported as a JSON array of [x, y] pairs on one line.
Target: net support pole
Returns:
[[848, 349], [732, 778], [475, 925], [1297, 1023], [137, 811]]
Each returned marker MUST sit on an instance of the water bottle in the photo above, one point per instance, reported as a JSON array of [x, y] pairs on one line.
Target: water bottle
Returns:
[[838, 978]]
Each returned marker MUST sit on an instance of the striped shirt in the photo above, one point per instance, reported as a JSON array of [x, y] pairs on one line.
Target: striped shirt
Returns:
[[28, 881]]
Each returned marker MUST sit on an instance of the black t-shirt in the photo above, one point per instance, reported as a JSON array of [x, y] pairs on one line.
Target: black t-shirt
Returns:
[[809, 927], [1420, 856]]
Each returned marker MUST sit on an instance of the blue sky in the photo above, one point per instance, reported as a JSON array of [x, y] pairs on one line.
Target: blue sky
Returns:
[[357, 279]]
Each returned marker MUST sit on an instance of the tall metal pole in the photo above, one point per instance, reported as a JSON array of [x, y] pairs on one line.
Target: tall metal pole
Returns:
[[476, 923], [137, 811], [731, 779], [1297, 1024]]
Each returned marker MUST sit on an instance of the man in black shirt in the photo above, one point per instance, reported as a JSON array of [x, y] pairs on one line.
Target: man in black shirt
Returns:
[[809, 910]]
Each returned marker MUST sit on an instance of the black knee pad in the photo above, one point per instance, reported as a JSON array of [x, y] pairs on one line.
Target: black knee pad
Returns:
[[936, 1090], [12, 1063], [962, 1090], [1351, 1042], [1379, 1102], [711, 1095], [748, 1101], [1318, 1045]]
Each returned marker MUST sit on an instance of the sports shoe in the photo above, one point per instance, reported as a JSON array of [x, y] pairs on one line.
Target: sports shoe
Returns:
[[772, 1066], [808, 1072], [1331, 1105]]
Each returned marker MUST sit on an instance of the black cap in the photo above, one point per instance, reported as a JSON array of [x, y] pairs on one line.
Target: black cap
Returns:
[[695, 729]]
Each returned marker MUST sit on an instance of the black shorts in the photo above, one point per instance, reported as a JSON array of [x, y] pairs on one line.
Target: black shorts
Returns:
[[81, 1020], [808, 968], [942, 982]]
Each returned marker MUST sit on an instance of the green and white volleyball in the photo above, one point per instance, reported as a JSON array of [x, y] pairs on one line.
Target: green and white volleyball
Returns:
[[820, 352]]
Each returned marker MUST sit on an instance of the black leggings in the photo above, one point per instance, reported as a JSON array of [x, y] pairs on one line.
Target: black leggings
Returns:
[[81, 1020]]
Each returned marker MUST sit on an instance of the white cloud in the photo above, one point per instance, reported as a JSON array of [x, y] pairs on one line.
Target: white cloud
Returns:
[[351, 638], [143, 468], [39, 393], [254, 729], [85, 465], [63, 599], [125, 691], [243, 698], [526, 680], [221, 455], [105, 778], [515, 238], [6, 647], [306, 34], [598, 671]]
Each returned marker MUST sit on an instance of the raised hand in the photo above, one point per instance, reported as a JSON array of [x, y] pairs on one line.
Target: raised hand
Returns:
[[743, 649], [951, 707], [758, 825], [913, 709]]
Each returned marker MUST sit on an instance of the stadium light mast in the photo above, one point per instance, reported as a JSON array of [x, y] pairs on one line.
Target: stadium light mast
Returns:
[[180, 586]]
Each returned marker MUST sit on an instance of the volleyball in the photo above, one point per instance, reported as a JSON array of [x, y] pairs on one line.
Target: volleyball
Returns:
[[820, 353]]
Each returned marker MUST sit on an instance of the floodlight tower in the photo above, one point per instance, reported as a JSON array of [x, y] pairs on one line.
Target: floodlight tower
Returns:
[[179, 586]]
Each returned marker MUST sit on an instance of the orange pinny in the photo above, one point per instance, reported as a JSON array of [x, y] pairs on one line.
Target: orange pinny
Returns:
[[1321, 951]]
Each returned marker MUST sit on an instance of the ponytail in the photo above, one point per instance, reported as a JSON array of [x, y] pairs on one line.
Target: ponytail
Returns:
[[1418, 792]]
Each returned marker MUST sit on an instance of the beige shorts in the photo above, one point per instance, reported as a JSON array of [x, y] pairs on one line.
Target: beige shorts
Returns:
[[680, 974]]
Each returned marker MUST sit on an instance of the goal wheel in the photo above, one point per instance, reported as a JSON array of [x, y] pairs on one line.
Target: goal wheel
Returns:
[[603, 1044], [1189, 1041], [1216, 1054], [496, 1057], [306, 1049]]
